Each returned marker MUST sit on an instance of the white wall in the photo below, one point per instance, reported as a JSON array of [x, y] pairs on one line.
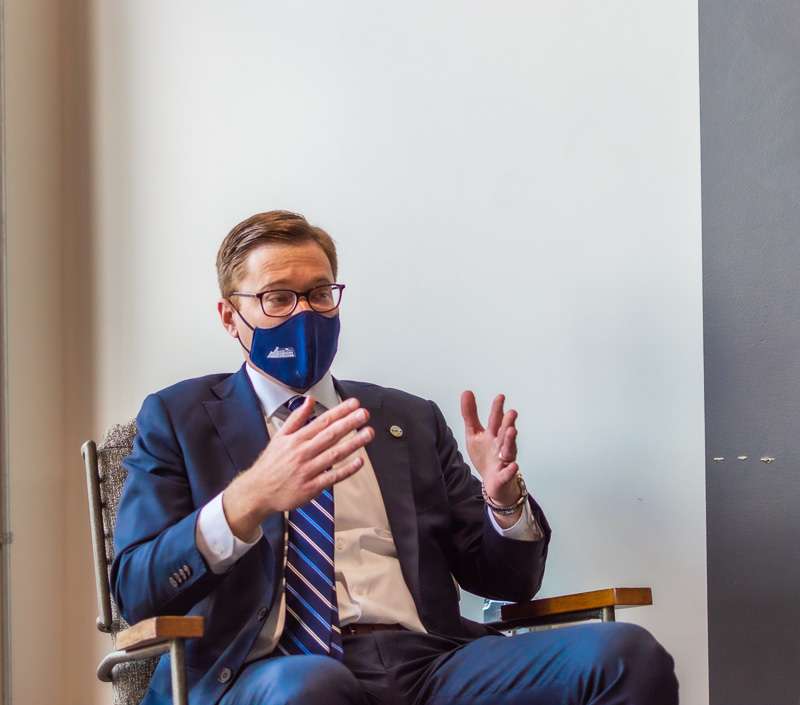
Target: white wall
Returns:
[[514, 189]]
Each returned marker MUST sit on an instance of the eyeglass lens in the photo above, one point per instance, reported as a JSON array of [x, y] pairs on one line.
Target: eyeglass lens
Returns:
[[282, 302]]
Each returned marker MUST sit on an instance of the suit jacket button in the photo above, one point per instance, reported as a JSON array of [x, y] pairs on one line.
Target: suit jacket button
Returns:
[[172, 581], [396, 431], [262, 613], [224, 675]]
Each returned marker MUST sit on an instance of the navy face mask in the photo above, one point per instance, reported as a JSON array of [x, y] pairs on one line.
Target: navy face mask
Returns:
[[299, 351]]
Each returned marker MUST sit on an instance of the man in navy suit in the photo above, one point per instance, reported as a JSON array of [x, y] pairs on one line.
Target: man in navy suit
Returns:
[[322, 527]]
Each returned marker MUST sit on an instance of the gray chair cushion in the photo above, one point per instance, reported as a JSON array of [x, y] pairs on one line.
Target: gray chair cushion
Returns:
[[130, 679]]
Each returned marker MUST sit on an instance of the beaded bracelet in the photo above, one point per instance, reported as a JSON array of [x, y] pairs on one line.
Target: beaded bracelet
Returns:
[[511, 508]]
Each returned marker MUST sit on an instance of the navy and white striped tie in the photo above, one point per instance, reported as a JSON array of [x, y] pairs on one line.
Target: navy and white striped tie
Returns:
[[312, 613]]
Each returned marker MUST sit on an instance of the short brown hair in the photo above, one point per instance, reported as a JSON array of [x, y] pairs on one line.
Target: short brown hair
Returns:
[[261, 229]]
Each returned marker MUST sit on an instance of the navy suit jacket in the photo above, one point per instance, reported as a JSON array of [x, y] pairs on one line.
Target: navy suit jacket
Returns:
[[195, 436]]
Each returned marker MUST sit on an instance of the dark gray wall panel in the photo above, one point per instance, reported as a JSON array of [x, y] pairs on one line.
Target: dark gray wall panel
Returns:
[[750, 127]]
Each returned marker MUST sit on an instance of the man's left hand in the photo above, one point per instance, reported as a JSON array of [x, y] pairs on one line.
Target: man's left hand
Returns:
[[493, 450]]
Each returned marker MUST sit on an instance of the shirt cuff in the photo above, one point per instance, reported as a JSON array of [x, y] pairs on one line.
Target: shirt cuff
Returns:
[[526, 528], [215, 540]]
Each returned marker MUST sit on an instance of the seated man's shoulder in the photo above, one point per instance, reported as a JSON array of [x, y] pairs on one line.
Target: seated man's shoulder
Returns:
[[194, 386], [368, 392], [190, 392]]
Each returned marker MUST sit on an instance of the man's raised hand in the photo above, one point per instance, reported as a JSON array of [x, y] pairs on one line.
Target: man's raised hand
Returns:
[[493, 450], [297, 464]]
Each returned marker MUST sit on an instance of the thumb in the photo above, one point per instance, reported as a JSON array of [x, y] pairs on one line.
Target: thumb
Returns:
[[469, 412]]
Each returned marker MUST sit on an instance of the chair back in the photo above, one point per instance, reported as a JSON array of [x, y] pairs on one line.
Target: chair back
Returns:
[[105, 477]]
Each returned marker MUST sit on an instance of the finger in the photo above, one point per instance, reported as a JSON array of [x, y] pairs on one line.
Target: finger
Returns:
[[496, 415], [297, 419], [508, 449], [334, 475], [506, 473], [469, 412], [328, 418], [334, 434], [509, 419], [341, 451], [330, 436]]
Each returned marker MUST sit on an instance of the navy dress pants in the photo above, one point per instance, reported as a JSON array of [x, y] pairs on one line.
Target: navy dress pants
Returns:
[[593, 664]]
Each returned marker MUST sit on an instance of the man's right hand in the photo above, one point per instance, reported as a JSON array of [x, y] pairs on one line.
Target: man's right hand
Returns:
[[297, 465]]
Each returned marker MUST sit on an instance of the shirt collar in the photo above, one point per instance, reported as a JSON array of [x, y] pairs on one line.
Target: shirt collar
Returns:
[[273, 395]]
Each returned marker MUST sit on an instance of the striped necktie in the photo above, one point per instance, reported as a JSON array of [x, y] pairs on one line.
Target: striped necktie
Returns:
[[312, 613]]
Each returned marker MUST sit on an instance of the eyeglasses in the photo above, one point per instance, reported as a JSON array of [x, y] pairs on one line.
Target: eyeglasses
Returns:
[[279, 303]]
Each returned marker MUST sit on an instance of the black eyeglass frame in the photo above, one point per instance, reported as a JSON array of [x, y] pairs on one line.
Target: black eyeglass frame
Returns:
[[297, 294]]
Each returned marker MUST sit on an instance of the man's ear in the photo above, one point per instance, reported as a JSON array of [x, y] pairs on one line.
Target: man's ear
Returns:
[[227, 315]]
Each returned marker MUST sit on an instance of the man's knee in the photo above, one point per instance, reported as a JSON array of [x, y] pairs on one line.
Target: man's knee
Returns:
[[321, 680], [629, 653], [305, 680]]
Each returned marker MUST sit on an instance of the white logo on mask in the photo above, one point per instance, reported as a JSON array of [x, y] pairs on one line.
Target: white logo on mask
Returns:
[[280, 353]]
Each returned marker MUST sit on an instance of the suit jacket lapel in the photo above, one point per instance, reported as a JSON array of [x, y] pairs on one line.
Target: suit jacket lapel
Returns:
[[390, 459], [239, 420]]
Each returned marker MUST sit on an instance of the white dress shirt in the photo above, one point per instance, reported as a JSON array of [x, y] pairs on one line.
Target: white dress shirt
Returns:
[[369, 583]]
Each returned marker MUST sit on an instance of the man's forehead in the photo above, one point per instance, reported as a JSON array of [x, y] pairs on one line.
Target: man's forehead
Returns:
[[284, 264]]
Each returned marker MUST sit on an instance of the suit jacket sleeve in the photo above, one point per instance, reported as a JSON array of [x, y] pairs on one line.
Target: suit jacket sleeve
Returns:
[[157, 568], [485, 562]]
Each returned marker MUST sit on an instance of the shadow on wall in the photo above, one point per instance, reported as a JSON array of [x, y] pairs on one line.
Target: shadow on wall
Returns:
[[83, 644]]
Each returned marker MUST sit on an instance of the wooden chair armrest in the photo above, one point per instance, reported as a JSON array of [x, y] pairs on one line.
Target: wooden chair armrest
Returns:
[[158, 630], [600, 604]]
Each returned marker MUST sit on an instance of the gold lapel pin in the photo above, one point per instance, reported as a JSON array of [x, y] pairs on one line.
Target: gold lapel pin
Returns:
[[396, 431]]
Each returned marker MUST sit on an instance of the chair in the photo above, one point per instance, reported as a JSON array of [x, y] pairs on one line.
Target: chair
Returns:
[[137, 648]]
